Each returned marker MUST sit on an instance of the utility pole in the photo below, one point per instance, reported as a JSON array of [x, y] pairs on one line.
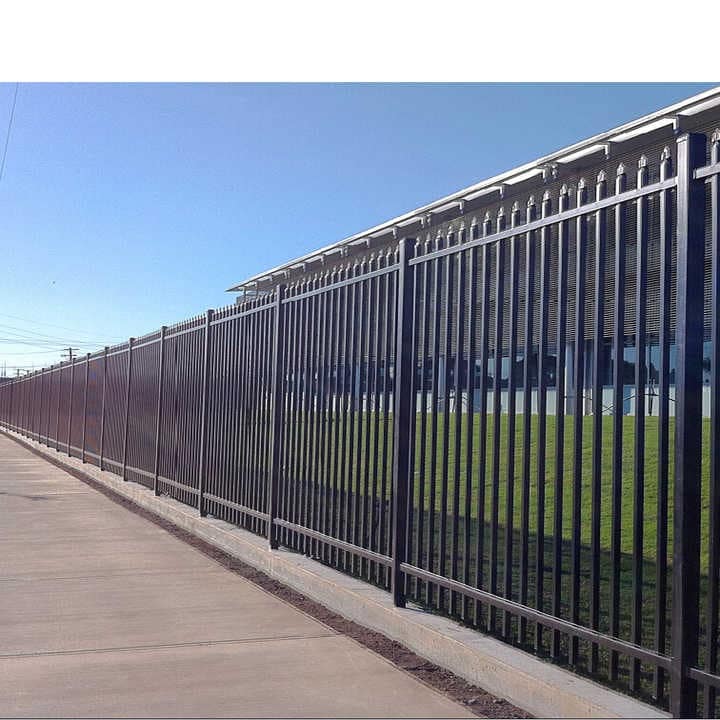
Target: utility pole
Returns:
[[69, 353]]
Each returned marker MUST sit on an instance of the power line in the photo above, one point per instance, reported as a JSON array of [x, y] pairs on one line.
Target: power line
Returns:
[[47, 324], [29, 353], [7, 136]]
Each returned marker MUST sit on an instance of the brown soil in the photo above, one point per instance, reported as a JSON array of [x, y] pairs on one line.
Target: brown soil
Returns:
[[478, 701]]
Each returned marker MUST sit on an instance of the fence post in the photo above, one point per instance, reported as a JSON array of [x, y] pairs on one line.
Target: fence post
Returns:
[[127, 406], [161, 374], [402, 420], [87, 372], [278, 396], [48, 392], [688, 424], [57, 413], [9, 417], [204, 417], [40, 396], [102, 412], [70, 405]]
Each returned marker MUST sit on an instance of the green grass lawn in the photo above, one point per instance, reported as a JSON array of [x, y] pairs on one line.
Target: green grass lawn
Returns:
[[444, 468], [651, 476]]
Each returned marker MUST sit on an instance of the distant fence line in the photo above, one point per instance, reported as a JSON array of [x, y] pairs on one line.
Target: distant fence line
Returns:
[[323, 415]]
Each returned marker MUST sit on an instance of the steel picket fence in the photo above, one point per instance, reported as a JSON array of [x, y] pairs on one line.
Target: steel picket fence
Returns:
[[510, 416]]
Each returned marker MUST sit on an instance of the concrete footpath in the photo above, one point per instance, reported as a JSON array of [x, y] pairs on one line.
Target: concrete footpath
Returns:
[[104, 614]]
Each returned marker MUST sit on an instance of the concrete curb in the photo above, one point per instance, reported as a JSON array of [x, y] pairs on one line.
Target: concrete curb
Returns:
[[540, 688]]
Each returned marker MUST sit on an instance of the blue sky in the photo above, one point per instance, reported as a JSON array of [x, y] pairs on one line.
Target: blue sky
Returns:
[[123, 207]]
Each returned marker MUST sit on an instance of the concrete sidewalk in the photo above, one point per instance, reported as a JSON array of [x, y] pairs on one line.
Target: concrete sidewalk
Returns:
[[104, 614]]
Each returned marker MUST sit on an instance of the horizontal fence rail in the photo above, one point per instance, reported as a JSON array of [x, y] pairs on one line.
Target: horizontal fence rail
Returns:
[[511, 418]]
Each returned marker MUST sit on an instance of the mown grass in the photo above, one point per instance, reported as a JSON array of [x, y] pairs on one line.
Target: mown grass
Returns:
[[448, 460]]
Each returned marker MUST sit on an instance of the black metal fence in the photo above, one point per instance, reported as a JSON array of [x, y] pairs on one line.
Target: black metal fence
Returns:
[[499, 418]]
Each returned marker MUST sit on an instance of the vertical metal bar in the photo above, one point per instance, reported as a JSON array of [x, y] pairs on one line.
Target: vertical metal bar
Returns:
[[304, 389], [527, 413], [688, 424], [597, 426], [578, 412], [618, 400], [640, 378], [60, 371], [253, 402], [497, 409], [298, 422], [347, 411], [337, 389], [41, 394], [410, 523], [388, 334], [482, 458], [444, 476], [49, 393], [102, 411], [23, 416], [512, 407], [278, 391], [437, 316], [424, 349], [542, 418], [36, 385], [226, 383], [37, 403], [362, 335], [52, 381], [269, 349], [561, 348], [204, 408], [264, 421], [371, 312], [40, 403], [158, 424], [31, 381], [244, 364], [711, 623], [375, 506], [35, 416], [458, 391], [661, 549], [70, 405], [127, 407], [402, 463], [84, 427], [470, 423], [329, 333], [30, 405], [176, 340], [264, 385], [309, 418]]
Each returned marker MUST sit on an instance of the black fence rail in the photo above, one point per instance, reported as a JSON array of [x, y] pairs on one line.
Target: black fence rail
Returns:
[[511, 417]]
